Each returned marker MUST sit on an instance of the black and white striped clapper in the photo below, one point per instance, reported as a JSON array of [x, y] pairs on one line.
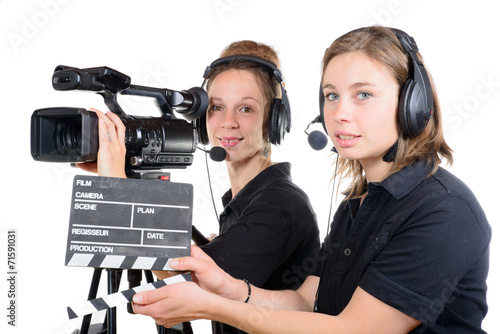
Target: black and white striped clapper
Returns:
[[122, 297]]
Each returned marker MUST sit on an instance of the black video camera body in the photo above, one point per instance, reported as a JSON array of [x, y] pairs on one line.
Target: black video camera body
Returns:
[[71, 134]]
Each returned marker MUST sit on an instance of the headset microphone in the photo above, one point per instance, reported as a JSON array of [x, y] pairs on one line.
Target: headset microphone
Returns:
[[216, 153], [317, 139]]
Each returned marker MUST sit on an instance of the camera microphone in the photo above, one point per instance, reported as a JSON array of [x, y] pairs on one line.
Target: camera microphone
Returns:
[[317, 139], [216, 153]]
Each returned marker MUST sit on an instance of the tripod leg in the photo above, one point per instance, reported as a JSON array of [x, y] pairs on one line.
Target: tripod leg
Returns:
[[186, 328], [149, 276], [160, 329], [134, 277], [96, 277], [114, 276]]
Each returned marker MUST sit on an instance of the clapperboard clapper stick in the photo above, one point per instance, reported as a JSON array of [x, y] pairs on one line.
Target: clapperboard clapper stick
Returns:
[[122, 297]]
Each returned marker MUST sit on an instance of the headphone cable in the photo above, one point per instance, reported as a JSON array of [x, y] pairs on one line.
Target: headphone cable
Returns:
[[327, 233], [210, 185]]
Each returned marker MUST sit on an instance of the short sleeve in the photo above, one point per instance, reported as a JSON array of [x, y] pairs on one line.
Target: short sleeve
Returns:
[[428, 256]]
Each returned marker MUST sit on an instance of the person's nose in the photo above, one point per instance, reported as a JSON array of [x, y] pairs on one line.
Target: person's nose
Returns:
[[229, 120]]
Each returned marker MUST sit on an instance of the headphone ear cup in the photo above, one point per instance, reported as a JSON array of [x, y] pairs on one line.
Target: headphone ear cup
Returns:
[[201, 128], [274, 126], [413, 115], [403, 107]]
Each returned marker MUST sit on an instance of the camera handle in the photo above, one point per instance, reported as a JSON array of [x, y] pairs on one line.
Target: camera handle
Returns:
[[111, 101], [164, 99], [191, 103], [107, 82], [160, 95]]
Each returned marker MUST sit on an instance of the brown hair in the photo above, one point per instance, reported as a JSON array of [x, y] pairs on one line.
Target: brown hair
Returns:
[[382, 45], [267, 82]]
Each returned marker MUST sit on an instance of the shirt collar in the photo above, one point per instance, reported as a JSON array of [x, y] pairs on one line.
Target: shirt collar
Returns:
[[272, 173], [404, 181]]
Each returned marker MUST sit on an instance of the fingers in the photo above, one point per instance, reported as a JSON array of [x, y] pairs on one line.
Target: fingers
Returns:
[[185, 264], [88, 166], [197, 262], [111, 128], [150, 297], [172, 304], [112, 150], [152, 310], [118, 125], [162, 274]]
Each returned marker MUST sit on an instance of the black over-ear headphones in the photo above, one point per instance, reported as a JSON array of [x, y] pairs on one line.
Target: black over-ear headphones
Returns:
[[279, 116], [415, 99]]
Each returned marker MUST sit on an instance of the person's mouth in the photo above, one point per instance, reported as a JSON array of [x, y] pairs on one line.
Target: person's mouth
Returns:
[[229, 142]]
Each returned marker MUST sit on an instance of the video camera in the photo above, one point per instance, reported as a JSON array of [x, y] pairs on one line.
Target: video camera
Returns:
[[71, 134]]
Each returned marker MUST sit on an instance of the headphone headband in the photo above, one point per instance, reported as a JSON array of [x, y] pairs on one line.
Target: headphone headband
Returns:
[[267, 64], [407, 42]]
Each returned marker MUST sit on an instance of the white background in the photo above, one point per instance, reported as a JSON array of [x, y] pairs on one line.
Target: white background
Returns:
[[169, 44]]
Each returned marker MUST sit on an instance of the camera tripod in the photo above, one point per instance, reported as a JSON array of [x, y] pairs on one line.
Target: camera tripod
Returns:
[[109, 326]]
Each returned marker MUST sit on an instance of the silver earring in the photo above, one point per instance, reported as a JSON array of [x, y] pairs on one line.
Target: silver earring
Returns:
[[267, 150]]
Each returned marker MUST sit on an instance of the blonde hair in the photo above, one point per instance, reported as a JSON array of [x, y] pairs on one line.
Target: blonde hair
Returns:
[[381, 44]]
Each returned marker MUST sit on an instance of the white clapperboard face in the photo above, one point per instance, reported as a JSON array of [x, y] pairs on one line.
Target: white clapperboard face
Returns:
[[128, 223]]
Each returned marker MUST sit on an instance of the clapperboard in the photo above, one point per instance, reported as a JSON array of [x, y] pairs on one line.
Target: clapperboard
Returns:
[[122, 297], [128, 223]]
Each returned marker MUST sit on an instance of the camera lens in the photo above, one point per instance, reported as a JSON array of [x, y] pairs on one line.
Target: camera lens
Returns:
[[69, 136], [64, 135]]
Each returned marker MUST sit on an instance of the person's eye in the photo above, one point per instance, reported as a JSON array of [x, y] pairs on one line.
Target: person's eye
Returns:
[[246, 110], [332, 97], [215, 107], [364, 95]]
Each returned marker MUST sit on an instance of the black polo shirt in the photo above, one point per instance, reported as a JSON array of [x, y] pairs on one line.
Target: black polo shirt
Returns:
[[418, 244], [268, 228], [268, 233]]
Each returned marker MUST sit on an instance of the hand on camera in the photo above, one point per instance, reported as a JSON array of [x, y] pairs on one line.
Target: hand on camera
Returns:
[[112, 150]]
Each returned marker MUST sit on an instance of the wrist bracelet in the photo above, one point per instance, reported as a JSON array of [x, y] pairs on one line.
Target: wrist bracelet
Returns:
[[249, 290]]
